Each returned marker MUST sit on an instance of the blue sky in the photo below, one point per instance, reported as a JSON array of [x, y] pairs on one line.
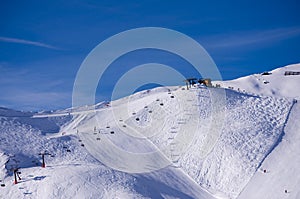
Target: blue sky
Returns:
[[42, 44]]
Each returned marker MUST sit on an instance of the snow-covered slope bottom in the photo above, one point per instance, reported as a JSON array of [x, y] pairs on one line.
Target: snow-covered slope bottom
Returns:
[[71, 172], [251, 130], [161, 143], [282, 166]]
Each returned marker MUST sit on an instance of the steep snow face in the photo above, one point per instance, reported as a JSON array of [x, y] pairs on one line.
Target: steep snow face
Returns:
[[282, 166], [3, 160], [251, 130], [71, 172], [275, 84], [68, 171], [22, 139], [170, 131]]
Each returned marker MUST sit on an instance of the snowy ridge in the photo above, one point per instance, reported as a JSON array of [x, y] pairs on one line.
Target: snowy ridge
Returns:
[[282, 166], [253, 126], [68, 172], [275, 84], [260, 131]]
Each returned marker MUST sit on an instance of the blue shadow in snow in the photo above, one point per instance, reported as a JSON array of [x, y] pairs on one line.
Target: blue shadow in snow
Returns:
[[145, 186]]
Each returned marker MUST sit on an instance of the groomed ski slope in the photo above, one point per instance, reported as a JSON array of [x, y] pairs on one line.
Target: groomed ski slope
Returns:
[[71, 172], [252, 127], [260, 131]]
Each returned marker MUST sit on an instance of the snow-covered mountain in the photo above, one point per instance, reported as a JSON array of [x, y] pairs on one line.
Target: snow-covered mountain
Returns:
[[271, 83], [162, 143]]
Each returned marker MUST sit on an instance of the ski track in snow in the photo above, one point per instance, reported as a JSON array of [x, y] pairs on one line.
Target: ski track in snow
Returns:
[[260, 131], [253, 124], [282, 166]]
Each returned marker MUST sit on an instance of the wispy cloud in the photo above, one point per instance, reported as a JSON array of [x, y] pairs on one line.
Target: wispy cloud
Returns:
[[27, 42], [22, 93], [35, 100], [29, 90], [251, 37]]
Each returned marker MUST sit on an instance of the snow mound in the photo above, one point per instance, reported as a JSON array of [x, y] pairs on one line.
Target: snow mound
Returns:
[[169, 137], [71, 172], [252, 128], [274, 83]]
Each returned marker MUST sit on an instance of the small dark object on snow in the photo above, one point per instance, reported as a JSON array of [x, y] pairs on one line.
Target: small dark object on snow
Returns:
[[266, 73], [82, 145], [137, 119], [150, 111], [161, 104], [265, 170], [121, 120], [146, 107], [172, 96], [79, 140], [107, 127], [291, 73], [16, 175], [112, 132], [98, 138], [2, 185], [157, 100], [206, 82], [285, 191], [64, 147], [68, 150], [190, 82], [43, 156], [133, 113], [124, 125]]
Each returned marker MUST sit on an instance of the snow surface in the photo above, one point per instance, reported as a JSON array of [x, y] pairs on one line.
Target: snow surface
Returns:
[[276, 84], [282, 166], [166, 143]]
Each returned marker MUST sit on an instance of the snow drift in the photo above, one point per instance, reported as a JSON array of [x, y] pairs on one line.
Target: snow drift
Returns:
[[258, 130]]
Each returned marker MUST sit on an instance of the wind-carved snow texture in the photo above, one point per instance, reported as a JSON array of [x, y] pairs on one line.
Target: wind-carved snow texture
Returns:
[[281, 179], [179, 128], [252, 127], [180, 125], [275, 84], [70, 171]]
